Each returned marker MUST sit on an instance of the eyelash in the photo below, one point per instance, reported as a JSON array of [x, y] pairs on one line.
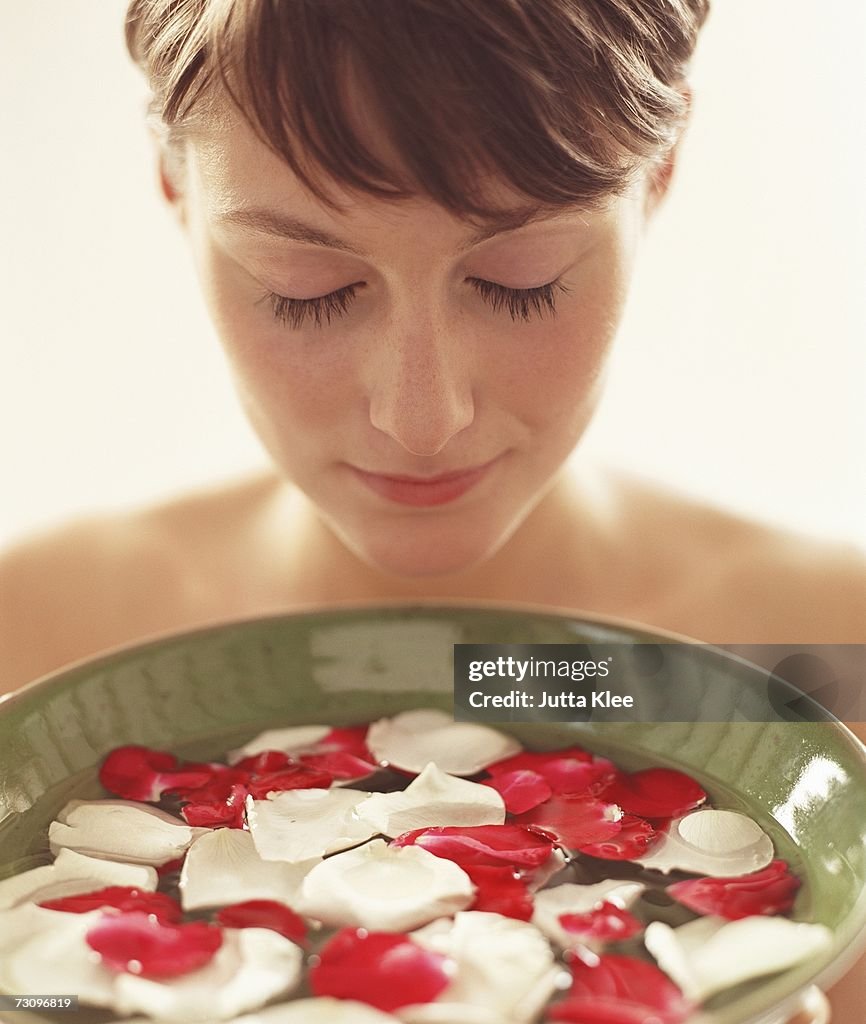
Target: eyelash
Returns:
[[520, 303]]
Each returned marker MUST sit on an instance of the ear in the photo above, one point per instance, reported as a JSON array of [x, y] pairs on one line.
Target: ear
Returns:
[[659, 178], [169, 174]]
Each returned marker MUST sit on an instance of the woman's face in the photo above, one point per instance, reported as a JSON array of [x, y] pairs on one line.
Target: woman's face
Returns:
[[422, 383]]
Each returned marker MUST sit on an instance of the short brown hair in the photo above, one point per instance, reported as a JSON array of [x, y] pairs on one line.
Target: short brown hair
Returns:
[[560, 100]]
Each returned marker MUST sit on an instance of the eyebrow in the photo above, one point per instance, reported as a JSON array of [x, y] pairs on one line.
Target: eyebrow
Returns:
[[295, 230]]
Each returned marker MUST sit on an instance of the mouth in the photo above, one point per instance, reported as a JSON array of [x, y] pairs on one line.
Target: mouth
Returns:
[[424, 491]]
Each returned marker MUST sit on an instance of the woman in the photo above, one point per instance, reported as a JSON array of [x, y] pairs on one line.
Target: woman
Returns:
[[415, 224]]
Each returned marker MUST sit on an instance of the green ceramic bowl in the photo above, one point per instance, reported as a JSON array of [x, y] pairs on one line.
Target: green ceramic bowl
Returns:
[[202, 693]]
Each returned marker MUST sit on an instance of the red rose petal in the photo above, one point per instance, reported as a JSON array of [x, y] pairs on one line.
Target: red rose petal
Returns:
[[634, 838], [170, 867], [216, 788], [383, 969], [266, 761], [139, 773], [297, 776], [621, 990], [770, 891], [655, 793], [264, 914], [607, 923], [483, 844], [350, 739], [574, 819], [122, 897], [136, 944], [340, 764], [520, 790], [537, 760], [228, 813], [500, 890]]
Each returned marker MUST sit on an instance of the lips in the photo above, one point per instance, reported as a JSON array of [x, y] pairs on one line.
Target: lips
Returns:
[[424, 491]]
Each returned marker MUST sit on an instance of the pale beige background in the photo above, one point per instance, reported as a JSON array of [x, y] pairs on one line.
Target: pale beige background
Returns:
[[741, 372]]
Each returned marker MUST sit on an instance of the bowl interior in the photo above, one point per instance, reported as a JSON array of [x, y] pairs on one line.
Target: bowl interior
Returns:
[[202, 693]]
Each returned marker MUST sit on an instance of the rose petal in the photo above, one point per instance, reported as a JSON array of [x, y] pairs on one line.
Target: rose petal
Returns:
[[224, 867], [710, 954], [290, 740], [577, 900], [502, 965], [722, 844], [139, 773], [264, 914], [121, 830], [383, 969], [620, 990], [634, 839], [122, 897], [770, 891], [575, 820], [340, 765], [300, 824], [298, 776], [138, 944], [432, 799], [571, 770], [72, 873], [252, 966], [607, 923], [520, 790], [411, 740], [500, 890], [384, 888], [225, 813], [483, 844], [655, 793]]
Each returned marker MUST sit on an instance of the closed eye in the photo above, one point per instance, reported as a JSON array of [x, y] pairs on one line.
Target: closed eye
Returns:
[[520, 303]]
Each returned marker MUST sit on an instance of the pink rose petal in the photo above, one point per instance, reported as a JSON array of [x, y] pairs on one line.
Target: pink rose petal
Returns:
[[607, 923], [575, 820], [655, 793], [770, 891], [122, 897], [138, 773], [264, 914], [384, 969], [521, 790], [500, 890], [634, 838], [483, 844], [137, 944], [621, 990]]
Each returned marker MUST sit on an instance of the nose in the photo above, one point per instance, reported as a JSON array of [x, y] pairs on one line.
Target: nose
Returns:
[[421, 387]]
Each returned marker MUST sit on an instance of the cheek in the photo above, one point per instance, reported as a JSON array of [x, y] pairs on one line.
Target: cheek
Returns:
[[284, 377]]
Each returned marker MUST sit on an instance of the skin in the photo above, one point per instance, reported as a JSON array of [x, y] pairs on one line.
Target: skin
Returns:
[[421, 377]]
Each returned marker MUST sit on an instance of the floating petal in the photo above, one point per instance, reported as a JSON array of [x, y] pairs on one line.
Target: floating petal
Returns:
[[573, 899], [432, 799], [384, 888], [411, 740], [770, 891], [291, 740], [305, 823], [721, 844], [710, 954], [224, 867], [70, 874]]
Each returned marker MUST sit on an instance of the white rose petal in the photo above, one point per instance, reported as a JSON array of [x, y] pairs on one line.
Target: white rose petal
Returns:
[[319, 1011], [121, 830], [710, 954], [571, 898], [384, 888], [251, 966], [721, 844], [224, 867], [433, 799], [44, 952], [504, 968], [303, 823], [294, 739], [70, 874], [414, 738]]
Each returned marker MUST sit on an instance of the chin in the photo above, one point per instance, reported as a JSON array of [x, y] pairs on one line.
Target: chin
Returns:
[[426, 550]]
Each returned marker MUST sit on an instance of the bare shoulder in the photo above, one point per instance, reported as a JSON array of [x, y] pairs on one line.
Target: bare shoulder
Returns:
[[107, 580], [736, 579]]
